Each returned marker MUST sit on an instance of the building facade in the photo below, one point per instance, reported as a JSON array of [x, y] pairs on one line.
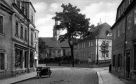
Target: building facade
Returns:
[[124, 49], [18, 30], [95, 50]]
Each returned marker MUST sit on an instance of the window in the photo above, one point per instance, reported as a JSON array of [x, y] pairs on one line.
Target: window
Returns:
[[25, 34], [18, 3], [114, 34], [134, 57], [135, 16], [129, 20], [78, 46], [21, 32], [35, 35], [89, 43], [1, 24], [16, 30], [2, 64], [84, 44], [123, 26], [32, 38], [32, 18], [118, 28], [113, 60]]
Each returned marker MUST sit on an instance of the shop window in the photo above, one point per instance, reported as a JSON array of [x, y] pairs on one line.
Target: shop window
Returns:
[[2, 62], [31, 59], [1, 24], [18, 58]]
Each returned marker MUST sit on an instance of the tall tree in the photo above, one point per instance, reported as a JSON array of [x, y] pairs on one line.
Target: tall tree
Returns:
[[75, 23]]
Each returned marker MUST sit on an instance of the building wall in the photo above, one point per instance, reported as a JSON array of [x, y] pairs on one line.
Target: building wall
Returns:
[[6, 43], [85, 50], [19, 55], [123, 57]]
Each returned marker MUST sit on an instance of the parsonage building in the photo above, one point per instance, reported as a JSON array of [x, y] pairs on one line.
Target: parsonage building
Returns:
[[96, 49]]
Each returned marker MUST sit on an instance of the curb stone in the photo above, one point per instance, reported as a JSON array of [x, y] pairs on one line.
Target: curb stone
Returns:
[[22, 80], [100, 78]]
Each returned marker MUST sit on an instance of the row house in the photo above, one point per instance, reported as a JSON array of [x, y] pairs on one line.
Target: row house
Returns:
[[97, 49], [124, 40], [18, 38]]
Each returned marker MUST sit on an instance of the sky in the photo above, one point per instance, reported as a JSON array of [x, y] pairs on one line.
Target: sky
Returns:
[[97, 10]]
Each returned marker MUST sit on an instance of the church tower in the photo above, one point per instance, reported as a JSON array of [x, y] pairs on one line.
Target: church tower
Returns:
[[56, 32]]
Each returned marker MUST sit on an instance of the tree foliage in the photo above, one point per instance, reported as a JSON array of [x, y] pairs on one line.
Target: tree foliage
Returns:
[[73, 21]]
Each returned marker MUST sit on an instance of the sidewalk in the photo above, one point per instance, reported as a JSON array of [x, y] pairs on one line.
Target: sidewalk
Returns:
[[108, 78], [18, 78]]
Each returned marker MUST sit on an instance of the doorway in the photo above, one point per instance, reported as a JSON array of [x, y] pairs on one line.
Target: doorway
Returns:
[[127, 64]]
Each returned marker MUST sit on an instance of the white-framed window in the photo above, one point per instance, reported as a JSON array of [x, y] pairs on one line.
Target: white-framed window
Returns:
[[1, 25], [89, 43], [2, 61]]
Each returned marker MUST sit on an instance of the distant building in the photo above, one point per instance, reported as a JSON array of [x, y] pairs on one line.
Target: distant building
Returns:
[[53, 46], [97, 49], [52, 49], [124, 40], [17, 37]]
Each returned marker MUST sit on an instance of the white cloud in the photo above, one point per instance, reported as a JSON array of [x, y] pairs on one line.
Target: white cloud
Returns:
[[40, 6], [45, 25], [55, 7], [102, 10]]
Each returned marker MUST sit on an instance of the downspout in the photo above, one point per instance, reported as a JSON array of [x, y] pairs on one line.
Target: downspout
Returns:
[[125, 47]]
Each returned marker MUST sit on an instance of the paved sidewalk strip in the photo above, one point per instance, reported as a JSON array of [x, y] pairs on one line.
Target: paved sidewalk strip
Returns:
[[108, 78], [18, 78]]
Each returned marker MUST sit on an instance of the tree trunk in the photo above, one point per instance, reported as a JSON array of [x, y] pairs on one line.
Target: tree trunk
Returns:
[[72, 55], [72, 52]]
